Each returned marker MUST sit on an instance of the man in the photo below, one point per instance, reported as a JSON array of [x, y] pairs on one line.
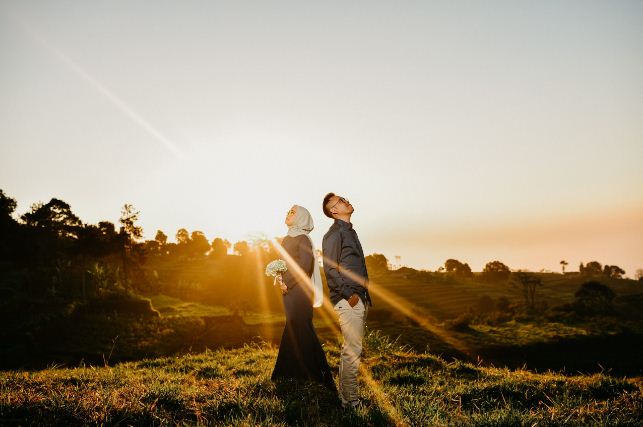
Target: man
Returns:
[[347, 281]]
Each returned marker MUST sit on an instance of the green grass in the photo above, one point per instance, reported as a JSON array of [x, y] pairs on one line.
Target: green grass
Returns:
[[232, 387], [171, 307], [252, 318], [174, 307], [517, 333]]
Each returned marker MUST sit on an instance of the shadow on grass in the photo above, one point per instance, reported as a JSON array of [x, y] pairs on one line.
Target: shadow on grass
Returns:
[[307, 403]]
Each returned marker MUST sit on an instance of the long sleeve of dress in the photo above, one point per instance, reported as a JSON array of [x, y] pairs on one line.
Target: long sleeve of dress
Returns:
[[300, 250]]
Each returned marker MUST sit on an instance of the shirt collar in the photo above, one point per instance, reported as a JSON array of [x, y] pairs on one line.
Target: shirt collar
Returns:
[[343, 223]]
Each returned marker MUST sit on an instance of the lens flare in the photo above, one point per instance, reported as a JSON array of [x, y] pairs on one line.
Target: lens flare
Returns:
[[108, 94]]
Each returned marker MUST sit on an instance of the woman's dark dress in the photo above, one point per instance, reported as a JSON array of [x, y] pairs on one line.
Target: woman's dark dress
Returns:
[[300, 353]]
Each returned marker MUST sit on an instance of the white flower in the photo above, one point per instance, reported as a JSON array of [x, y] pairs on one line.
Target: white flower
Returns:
[[276, 267]]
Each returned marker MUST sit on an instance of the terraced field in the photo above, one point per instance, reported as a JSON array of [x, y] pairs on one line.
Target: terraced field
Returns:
[[447, 299]]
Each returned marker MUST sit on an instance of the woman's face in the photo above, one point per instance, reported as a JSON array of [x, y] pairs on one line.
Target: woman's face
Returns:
[[290, 216]]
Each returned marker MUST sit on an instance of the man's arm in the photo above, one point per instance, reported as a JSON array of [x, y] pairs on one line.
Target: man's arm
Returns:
[[332, 249]]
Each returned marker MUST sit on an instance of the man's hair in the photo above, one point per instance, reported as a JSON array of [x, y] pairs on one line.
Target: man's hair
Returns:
[[324, 208]]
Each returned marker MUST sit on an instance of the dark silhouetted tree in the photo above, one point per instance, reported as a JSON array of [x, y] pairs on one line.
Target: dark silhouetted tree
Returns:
[[563, 264], [161, 238], [198, 245], [8, 229], [495, 271], [594, 298], [55, 216], [613, 271], [219, 248], [157, 246], [182, 236], [456, 267], [129, 234], [182, 241], [528, 283], [241, 248], [376, 264], [451, 265], [94, 241], [593, 268], [128, 219], [7, 207]]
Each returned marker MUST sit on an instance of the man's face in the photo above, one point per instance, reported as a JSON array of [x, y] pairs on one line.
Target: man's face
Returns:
[[340, 206]]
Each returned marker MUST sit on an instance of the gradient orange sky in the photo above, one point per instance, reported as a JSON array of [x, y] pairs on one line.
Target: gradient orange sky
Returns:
[[479, 131]]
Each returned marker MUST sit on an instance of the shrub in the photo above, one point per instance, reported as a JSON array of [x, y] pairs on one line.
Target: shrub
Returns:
[[460, 323], [594, 297]]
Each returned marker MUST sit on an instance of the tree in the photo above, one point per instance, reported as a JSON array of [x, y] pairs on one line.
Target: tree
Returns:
[[95, 241], [613, 271], [593, 268], [219, 248], [161, 238], [128, 219], [495, 271], [182, 236], [129, 234], [639, 274], [241, 248], [107, 230], [529, 283], [594, 297], [7, 206], [376, 264], [465, 271], [8, 229], [456, 267], [56, 216], [563, 263], [198, 245]]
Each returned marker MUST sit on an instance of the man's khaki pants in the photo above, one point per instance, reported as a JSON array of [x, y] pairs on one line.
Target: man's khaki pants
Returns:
[[351, 321]]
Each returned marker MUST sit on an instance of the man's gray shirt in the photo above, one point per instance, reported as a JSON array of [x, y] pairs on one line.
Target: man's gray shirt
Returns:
[[344, 263]]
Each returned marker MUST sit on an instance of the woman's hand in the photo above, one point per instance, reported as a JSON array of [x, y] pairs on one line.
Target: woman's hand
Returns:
[[282, 285]]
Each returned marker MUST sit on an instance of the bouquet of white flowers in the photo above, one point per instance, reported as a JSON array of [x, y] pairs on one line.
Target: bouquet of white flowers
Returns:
[[275, 269]]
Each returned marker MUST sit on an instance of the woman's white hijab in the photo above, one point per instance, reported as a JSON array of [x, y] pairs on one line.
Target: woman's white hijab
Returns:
[[303, 224]]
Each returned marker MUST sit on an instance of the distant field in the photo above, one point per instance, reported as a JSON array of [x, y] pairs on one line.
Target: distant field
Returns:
[[447, 299]]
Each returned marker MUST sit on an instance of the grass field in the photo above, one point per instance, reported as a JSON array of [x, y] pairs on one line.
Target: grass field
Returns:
[[170, 306], [232, 387], [541, 341], [447, 298]]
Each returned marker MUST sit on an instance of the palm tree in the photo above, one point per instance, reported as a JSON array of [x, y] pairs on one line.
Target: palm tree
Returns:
[[563, 263]]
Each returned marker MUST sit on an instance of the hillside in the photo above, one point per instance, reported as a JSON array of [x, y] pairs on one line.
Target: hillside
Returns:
[[444, 296], [232, 387]]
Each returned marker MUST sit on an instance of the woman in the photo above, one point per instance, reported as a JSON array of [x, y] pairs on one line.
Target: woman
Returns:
[[300, 353]]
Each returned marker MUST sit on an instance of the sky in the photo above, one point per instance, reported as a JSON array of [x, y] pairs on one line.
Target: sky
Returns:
[[480, 131]]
